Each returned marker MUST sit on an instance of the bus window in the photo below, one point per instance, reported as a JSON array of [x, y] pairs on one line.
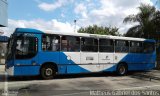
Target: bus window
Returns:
[[106, 45], [50, 43], [89, 44], [26, 47], [136, 47], [121, 46], [149, 47], [70, 44]]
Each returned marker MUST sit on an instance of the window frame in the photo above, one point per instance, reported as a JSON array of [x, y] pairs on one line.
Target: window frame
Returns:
[[75, 37], [147, 49], [141, 46], [111, 45], [97, 49], [115, 45], [37, 44], [50, 35]]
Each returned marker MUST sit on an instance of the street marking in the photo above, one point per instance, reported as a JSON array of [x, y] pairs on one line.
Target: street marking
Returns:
[[5, 92]]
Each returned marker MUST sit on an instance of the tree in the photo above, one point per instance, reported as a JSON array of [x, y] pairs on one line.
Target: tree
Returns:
[[147, 19], [100, 30]]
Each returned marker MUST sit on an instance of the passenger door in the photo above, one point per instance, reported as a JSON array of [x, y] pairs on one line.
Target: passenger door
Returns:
[[26, 54]]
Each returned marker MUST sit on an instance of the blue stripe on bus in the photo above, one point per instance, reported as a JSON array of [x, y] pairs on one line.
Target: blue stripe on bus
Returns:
[[28, 30], [72, 67]]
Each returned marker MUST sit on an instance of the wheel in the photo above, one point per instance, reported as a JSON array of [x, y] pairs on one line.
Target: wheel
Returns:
[[48, 72], [122, 69]]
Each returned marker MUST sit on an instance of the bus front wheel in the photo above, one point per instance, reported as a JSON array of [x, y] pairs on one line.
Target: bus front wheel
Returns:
[[48, 72], [122, 69]]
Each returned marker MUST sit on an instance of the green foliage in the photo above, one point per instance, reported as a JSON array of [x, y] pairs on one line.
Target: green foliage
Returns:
[[100, 30], [148, 22]]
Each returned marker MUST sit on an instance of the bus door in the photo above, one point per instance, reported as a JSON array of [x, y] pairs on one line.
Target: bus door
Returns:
[[89, 55], [26, 54], [106, 52]]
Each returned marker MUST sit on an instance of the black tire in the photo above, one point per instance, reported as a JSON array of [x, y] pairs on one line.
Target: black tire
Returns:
[[122, 69], [48, 72]]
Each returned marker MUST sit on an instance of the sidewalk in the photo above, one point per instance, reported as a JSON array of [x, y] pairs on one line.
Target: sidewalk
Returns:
[[155, 73], [2, 68]]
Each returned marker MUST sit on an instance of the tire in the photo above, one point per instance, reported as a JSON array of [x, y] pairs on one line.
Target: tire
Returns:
[[122, 69], [48, 72]]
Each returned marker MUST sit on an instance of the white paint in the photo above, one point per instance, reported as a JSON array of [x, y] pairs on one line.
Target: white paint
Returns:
[[5, 85], [74, 56], [90, 58], [10, 71], [94, 61], [95, 36], [119, 56]]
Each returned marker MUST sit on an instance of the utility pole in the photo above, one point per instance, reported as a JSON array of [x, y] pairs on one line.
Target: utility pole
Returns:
[[75, 29]]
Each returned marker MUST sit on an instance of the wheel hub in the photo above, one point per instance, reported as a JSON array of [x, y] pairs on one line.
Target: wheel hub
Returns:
[[49, 71], [122, 70]]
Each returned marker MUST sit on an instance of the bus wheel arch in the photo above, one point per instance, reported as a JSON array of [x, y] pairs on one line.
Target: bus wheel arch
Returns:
[[122, 68], [48, 70]]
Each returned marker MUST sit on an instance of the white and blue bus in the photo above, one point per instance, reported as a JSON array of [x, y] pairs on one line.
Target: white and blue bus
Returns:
[[34, 52]]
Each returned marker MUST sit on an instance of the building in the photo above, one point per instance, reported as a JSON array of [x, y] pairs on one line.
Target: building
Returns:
[[3, 13], [3, 43], [3, 47], [3, 23]]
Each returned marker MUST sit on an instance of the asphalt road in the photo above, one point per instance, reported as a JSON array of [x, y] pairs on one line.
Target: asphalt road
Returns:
[[82, 85]]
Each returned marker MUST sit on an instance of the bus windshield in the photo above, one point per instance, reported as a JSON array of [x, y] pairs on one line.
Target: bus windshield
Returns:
[[26, 47], [10, 51], [21, 47]]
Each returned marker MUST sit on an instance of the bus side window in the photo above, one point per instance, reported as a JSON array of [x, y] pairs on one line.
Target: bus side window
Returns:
[[106, 45], [136, 47], [121, 46], [89, 45], [55, 43], [148, 47], [50, 43], [70, 44]]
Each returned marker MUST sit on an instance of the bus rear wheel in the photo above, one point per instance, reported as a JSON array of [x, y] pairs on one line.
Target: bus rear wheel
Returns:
[[48, 72], [122, 69]]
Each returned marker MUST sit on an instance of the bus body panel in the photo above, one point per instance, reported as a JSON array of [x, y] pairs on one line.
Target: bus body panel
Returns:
[[80, 62], [89, 61], [26, 70], [106, 60]]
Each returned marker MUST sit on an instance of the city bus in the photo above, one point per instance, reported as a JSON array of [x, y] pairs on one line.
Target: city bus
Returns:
[[46, 53]]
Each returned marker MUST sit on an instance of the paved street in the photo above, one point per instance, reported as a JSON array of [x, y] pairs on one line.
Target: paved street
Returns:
[[79, 84]]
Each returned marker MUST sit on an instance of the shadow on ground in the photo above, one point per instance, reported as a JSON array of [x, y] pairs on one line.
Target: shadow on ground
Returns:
[[137, 75], [65, 76], [148, 75]]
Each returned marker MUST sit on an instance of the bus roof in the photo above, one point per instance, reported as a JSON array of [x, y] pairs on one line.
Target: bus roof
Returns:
[[35, 31]]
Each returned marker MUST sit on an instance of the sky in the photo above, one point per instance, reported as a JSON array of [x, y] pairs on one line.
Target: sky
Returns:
[[59, 15]]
